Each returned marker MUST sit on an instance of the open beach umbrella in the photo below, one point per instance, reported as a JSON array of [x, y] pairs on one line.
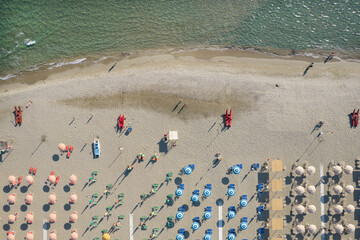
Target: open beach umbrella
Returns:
[[348, 169], [231, 214], [231, 236], [207, 237], [350, 208], [52, 179], [74, 217], [312, 229], [73, 179], [11, 198], [236, 169], [105, 236], [179, 192], [300, 209], [29, 236], [311, 208], [300, 229], [29, 198], [349, 189], [339, 228], [207, 192], [29, 179], [350, 228], [11, 218], [195, 225], [179, 215], [337, 170], [11, 236], [338, 209], [300, 190], [29, 217], [311, 189], [207, 215], [52, 217], [243, 226], [73, 197], [52, 235], [180, 237], [243, 203], [61, 147], [195, 198], [11, 179], [310, 170], [74, 235], [231, 192], [187, 170], [299, 170], [338, 189], [52, 198]]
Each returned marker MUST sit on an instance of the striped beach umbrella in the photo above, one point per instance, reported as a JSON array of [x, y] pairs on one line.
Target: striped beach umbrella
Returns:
[[187, 170], [195, 225], [243, 203], [231, 236], [207, 215], [231, 214], [179, 192], [180, 237], [195, 198], [243, 226], [231, 192], [207, 237], [179, 215], [236, 169], [207, 192]]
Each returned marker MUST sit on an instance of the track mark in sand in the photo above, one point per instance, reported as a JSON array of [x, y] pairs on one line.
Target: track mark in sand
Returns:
[[220, 220], [321, 202], [44, 231], [131, 227]]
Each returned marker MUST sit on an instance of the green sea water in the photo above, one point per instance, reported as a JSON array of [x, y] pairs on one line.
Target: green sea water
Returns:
[[65, 30]]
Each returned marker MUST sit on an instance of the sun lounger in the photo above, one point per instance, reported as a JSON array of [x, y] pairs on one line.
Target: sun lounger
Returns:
[[57, 180], [19, 181], [228, 118], [355, 118], [68, 154]]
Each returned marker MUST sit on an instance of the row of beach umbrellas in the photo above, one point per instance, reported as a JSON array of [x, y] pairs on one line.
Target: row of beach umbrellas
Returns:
[[29, 198], [30, 179]]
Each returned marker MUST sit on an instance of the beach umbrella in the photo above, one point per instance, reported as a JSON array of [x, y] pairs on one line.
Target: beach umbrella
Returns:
[[179, 192], [62, 147], [73, 217], [105, 236], [52, 179], [207, 215], [29, 179], [52, 235], [231, 214], [73, 179], [348, 169], [11, 179], [195, 226], [300, 190], [207, 237], [29, 217], [179, 215], [52, 198], [310, 170], [236, 169], [206, 192], [243, 226], [349, 189], [187, 170], [311, 209], [11, 236], [195, 198], [29, 236], [311, 189], [74, 235], [73, 197], [231, 236], [300, 229], [338, 209], [300, 209], [243, 203], [339, 228], [29, 198], [338, 189], [52, 217], [299, 170], [231, 192], [180, 237], [11, 198], [11, 218], [312, 229], [350, 208], [350, 228], [337, 170]]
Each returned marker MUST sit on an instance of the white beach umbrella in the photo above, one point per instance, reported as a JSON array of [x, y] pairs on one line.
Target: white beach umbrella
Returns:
[[11, 179], [29, 236], [11, 198], [74, 235], [73, 197], [299, 170], [311, 189], [337, 170], [300, 209], [350, 228], [11, 218], [300, 190], [52, 198], [310, 170], [300, 229], [350, 208], [311, 208], [29, 217], [312, 229], [339, 228], [349, 189], [338, 189], [11, 236], [29, 198], [29, 179], [348, 169], [73, 179], [62, 147], [338, 209], [52, 235]]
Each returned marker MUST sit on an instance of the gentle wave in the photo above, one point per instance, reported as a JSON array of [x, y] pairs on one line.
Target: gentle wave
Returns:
[[68, 63]]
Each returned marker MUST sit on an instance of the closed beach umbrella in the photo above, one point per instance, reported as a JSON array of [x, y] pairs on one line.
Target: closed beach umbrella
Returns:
[[349, 189], [207, 237], [231, 236], [350, 208], [29, 236], [73, 179], [179, 192], [11, 198], [29, 217], [74, 217], [337, 170], [207, 192], [179, 215], [52, 235], [180, 237], [11, 236], [311, 189], [187, 170], [348, 169], [11, 179], [300, 209], [52, 217], [207, 215], [11, 218], [243, 203], [52, 178], [195, 198], [299, 170], [300, 190], [236, 169], [231, 192], [231, 214], [73, 197], [300, 229], [52, 198], [29, 198], [195, 226], [106, 236], [338, 209], [312, 229], [338, 189], [62, 147], [339, 228], [29, 179], [350, 228], [243, 226], [311, 209], [74, 235], [311, 170]]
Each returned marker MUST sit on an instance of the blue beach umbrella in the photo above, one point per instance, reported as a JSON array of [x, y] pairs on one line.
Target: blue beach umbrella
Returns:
[[179, 215], [179, 192], [207, 215], [207, 237], [231, 236], [207, 192], [236, 169], [243, 226], [243, 203], [180, 237], [187, 170], [195, 198], [195, 225], [231, 214], [230, 192]]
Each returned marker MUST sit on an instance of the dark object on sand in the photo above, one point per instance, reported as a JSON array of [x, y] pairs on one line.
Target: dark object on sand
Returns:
[[308, 67], [112, 67], [329, 57], [355, 118]]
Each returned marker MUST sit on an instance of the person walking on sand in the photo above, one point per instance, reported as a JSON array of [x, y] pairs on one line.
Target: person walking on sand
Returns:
[[308, 67], [112, 67], [329, 57]]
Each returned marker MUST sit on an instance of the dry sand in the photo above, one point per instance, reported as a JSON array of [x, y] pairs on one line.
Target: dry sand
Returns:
[[269, 122]]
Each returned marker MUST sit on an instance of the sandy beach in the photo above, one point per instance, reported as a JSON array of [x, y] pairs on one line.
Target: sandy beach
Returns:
[[74, 105]]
